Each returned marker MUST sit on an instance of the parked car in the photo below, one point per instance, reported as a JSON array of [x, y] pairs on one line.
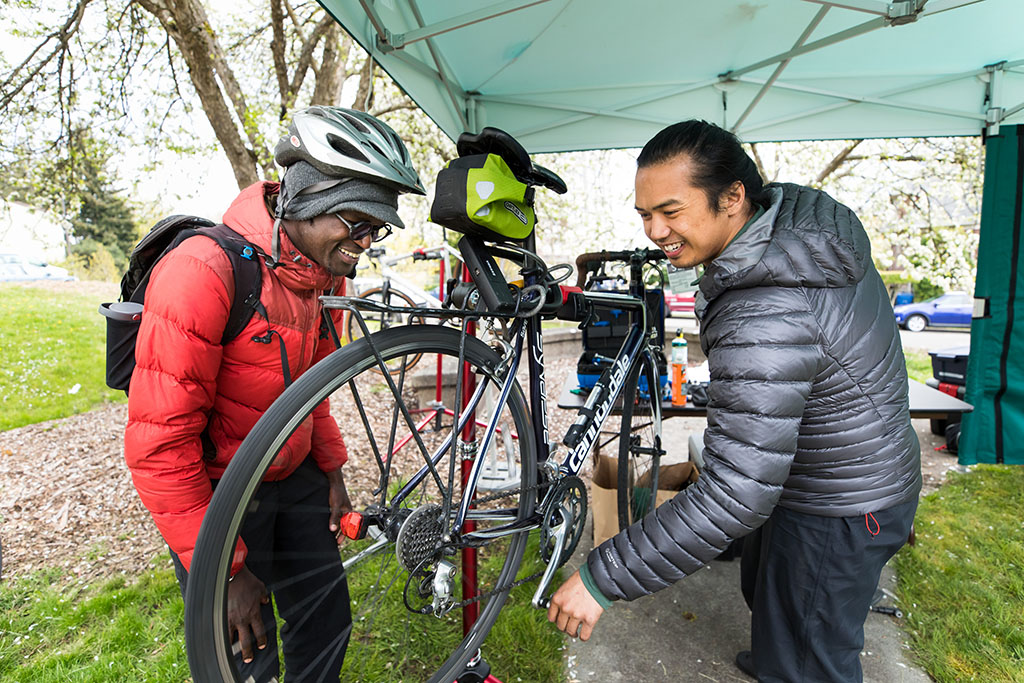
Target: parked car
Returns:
[[949, 310], [679, 304], [14, 267]]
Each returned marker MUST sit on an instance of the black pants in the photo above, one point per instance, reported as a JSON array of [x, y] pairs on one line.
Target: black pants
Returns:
[[291, 550], [808, 581]]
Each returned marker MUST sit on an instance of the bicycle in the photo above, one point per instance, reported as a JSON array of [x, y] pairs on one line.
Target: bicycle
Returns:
[[398, 294], [421, 529]]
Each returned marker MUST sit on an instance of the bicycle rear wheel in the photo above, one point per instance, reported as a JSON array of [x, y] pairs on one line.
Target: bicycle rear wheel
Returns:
[[388, 641], [639, 443], [379, 320]]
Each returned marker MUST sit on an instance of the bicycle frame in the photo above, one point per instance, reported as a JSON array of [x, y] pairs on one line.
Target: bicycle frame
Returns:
[[600, 404], [391, 279]]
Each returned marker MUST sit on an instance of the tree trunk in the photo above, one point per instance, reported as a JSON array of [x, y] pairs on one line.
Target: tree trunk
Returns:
[[331, 76], [364, 95]]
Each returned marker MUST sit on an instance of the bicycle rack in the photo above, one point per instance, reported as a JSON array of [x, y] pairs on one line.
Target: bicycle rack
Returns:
[[500, 471], [499, 474]]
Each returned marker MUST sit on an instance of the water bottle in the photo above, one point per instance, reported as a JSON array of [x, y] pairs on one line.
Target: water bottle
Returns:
[[679, 370]]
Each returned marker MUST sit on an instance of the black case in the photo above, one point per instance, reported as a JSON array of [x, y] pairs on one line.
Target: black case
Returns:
[[606, 334]]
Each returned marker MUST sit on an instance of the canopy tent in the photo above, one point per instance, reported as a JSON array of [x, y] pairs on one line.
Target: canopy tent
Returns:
[[564, 75], [995, 368]]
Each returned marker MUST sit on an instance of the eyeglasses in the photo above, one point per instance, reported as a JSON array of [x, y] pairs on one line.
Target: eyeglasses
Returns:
[[360, 229]]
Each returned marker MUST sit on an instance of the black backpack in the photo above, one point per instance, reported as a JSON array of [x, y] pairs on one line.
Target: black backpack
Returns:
[[124, 316]]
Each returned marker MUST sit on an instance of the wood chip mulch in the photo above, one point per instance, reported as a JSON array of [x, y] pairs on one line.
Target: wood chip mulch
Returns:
[[67, 499]]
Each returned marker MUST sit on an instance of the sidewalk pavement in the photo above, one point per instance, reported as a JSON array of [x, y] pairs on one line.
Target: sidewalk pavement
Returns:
[[692, 630]]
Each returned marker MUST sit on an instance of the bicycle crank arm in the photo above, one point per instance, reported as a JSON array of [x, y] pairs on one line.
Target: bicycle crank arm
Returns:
[[561, 535]]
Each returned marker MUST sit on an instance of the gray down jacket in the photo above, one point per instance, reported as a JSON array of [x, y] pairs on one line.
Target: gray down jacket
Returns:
[[807, 401]]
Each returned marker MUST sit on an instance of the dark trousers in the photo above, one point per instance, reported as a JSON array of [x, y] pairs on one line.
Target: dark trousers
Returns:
[[808, 581], [291, 550]]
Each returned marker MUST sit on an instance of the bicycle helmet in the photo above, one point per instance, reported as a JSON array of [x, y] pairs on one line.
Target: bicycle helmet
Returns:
[[348, 143]]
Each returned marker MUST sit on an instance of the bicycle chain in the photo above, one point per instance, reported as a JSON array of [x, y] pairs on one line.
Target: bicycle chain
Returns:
[[514, 584]]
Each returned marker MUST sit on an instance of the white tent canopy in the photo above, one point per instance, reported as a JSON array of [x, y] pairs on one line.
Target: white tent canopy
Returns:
[[565, 75]]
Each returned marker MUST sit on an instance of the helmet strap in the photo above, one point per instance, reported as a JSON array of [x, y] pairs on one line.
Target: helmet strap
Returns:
[[275, 241]]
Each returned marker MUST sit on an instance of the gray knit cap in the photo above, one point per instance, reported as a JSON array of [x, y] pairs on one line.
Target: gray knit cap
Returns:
[[307, 193]]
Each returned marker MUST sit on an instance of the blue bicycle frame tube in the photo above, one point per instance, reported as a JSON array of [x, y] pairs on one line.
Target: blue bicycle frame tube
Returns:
[[470, 490], [535, 363], [627, 358]]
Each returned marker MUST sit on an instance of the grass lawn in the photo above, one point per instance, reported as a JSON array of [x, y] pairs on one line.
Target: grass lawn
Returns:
[[962, 585], [121, 631], [919, 364], [53, 346], [52, 632]]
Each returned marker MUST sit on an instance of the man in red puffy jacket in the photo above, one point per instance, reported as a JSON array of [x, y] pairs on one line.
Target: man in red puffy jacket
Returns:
[[194, 400]]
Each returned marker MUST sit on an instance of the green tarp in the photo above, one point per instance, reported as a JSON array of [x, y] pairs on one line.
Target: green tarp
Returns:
[[994, 431]]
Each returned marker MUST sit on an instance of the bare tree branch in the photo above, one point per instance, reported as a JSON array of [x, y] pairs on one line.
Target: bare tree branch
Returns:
[[190, 36], [400, 106], [757, 162], [306, 57], [62, 36], [295, 20], [836, 162]]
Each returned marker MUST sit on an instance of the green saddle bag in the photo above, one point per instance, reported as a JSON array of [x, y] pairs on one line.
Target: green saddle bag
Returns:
[[479, 195]]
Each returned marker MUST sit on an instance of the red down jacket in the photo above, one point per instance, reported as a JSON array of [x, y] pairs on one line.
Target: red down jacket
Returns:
[[184, 376]]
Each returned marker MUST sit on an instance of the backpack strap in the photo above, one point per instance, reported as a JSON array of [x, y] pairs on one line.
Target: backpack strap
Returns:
[[245, 264]]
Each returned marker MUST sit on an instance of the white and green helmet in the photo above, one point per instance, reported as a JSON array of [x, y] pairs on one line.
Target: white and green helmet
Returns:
[[343, 142]]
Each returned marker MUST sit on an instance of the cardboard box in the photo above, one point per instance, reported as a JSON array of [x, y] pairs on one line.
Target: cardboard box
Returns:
[[604, 491]]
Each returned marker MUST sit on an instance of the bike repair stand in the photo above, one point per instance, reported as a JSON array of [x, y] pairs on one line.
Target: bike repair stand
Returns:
[[477, 670]]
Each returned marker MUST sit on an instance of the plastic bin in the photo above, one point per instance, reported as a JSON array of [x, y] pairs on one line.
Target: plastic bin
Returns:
[[590, 366], [950, 365]]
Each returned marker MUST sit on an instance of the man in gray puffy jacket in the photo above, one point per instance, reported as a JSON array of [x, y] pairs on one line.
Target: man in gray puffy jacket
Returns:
[[809, 453]]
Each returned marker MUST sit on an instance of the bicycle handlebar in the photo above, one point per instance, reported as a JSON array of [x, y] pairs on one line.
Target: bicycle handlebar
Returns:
[[421, 254], [642, 255]]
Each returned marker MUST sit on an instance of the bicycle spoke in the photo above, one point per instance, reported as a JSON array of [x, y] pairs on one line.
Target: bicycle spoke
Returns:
[[358, 403], [393, 575], [639, 445]]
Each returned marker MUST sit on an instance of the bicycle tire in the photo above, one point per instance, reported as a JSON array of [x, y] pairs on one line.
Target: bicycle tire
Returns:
[[639, 445], [209, 646], [377, 321]]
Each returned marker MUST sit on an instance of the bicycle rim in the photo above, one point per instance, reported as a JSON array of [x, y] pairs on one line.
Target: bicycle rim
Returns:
[[639, 443], [388, 642], [378, 320]]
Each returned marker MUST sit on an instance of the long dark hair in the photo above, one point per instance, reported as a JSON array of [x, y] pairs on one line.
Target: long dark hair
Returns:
[[717, 158]]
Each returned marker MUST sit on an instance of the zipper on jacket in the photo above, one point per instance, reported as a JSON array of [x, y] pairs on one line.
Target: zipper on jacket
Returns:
[[304, 364]]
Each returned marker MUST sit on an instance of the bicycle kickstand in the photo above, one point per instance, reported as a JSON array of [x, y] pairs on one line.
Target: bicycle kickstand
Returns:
[[561, 534]]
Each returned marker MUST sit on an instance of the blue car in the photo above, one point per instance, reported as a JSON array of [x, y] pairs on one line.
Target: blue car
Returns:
[[949, 310]]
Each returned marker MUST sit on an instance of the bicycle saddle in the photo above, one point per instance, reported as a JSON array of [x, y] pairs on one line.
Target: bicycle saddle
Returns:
[[496, 141]]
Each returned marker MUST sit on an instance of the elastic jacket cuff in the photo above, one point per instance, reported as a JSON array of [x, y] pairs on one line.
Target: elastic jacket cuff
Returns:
[[591, 586]]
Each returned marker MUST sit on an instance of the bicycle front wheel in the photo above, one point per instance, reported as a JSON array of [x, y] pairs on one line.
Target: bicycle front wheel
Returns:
[[380, 320], [408, 563], [639, 443]]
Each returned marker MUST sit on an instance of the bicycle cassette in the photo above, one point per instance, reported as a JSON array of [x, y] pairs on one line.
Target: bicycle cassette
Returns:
[[419, 539], [566, 504]]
